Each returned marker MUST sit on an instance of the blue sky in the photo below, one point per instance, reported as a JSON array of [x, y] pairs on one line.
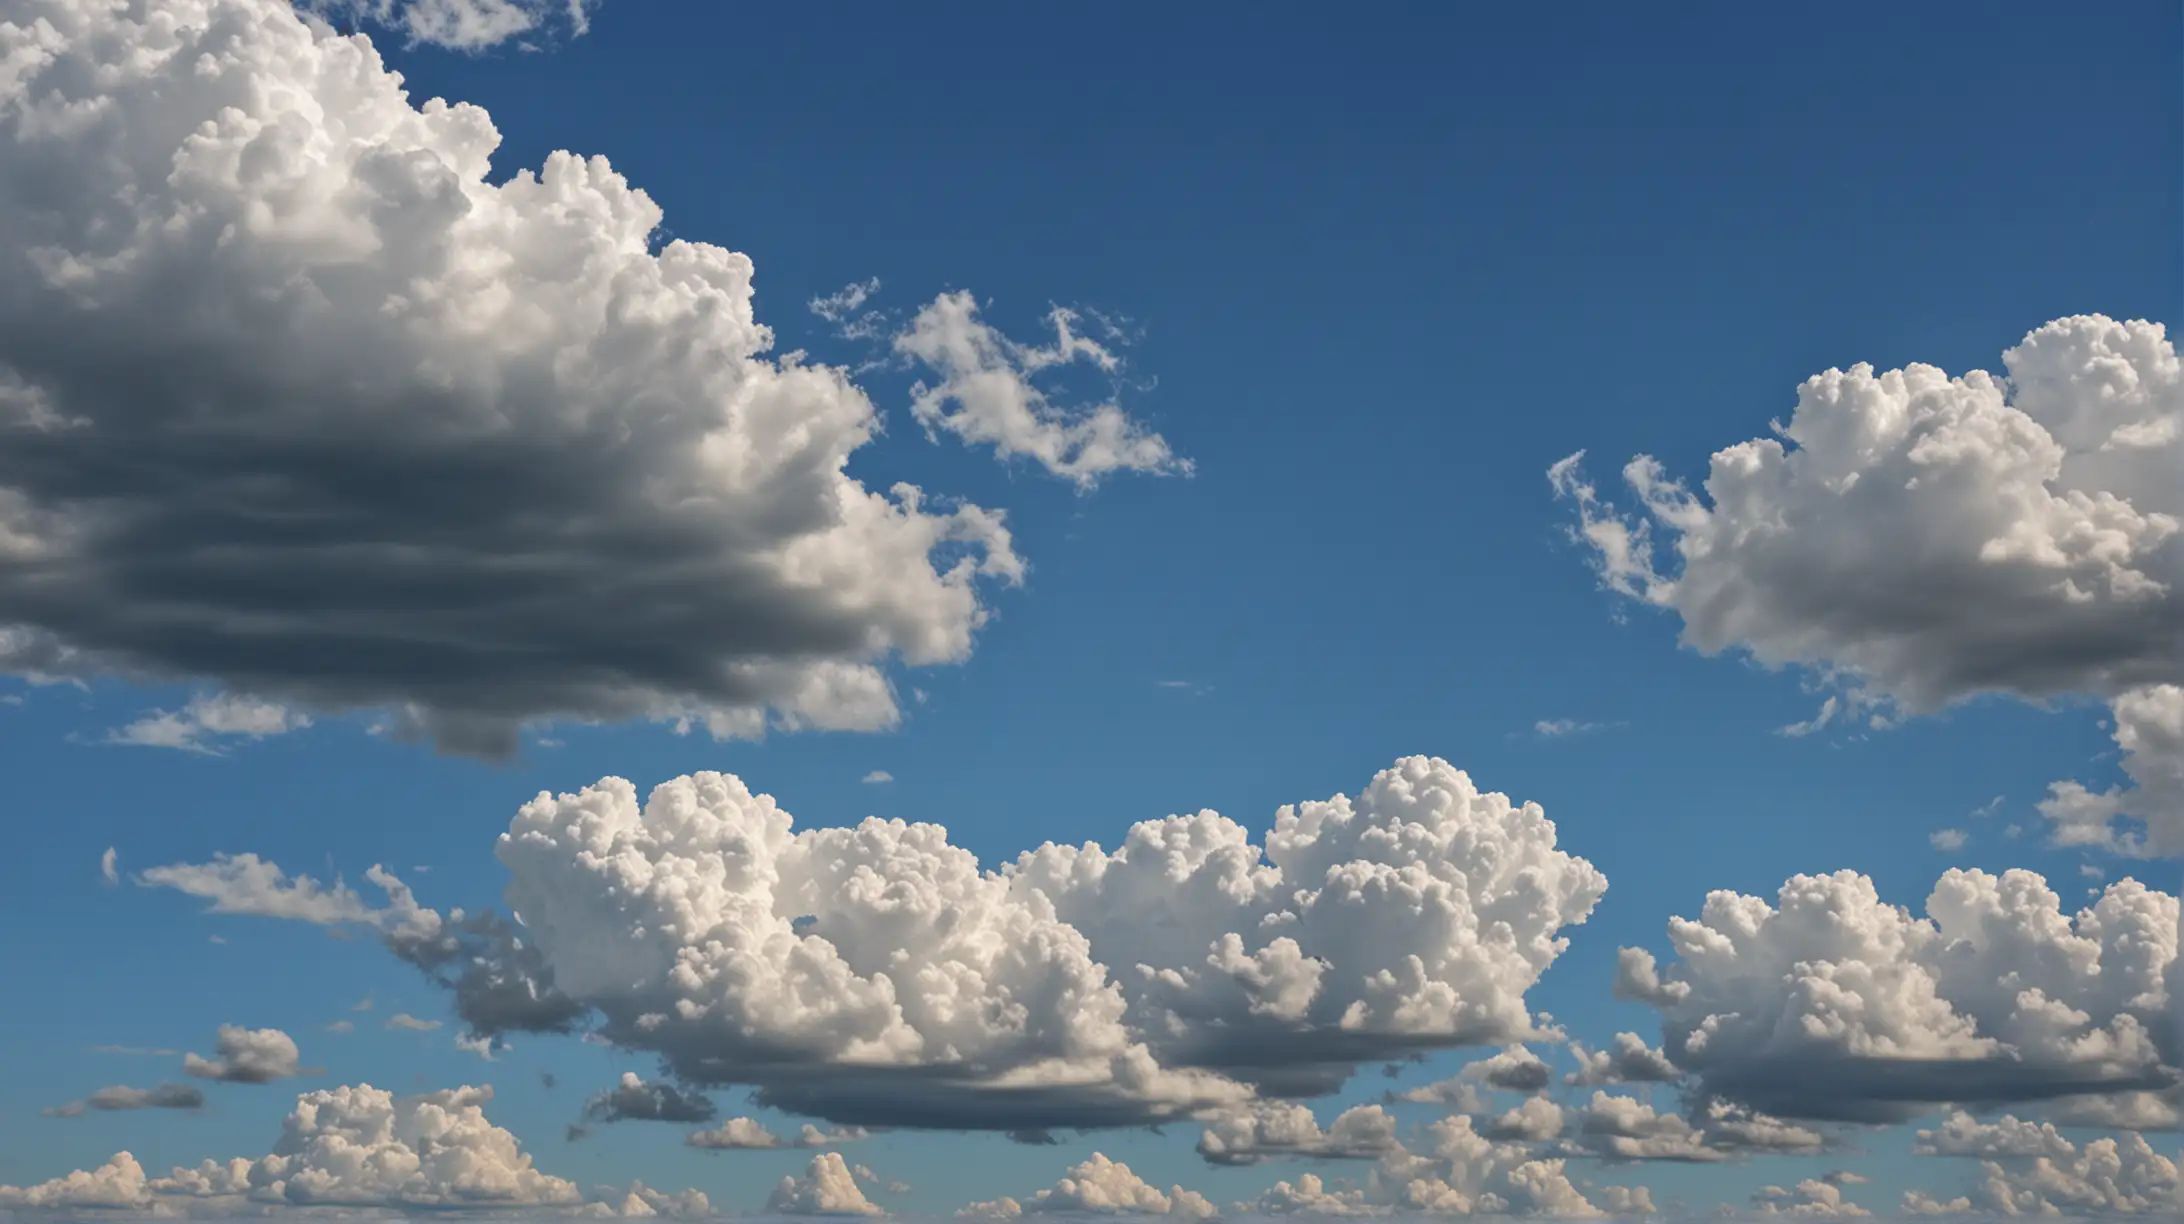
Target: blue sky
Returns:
[[1375, 272]]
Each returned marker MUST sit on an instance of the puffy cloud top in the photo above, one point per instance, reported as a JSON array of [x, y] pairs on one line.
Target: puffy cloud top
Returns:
[[351, 426], [1100, 1186], [1832, 1003], [1930, 538], [247, 1056], [828, 1187], [836, 967]]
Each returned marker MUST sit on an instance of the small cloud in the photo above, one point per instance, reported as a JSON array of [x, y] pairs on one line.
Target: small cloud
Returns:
[[1557, 728], [484, 1047], [2014, 832], [878, 777], [341, 1026], [405, 1021], [118, 1098], [844, 308], [1948, 839], [364, 1004], [109, 867], [2091, 871], [1989, 808], [134, 1051], [1194, 688], [1173, 683], [1826, 714], [218, 939], [210, 723]]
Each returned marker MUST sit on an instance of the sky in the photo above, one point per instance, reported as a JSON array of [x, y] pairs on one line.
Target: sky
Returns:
[[1656, 532]]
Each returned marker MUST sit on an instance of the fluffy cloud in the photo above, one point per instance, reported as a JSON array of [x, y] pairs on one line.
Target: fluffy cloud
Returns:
[[1629, 1060], [828, 1187], [355, 1147], [986, 395], [750, 1133], [362, 429], [876, 976], [633, 1099], [247, 1056], [1923, 539], [1309, 1195], [1832, 1004], [1278, 1129], [1102, 1187], [206, 722], [120, 1097], [2031, 1169]]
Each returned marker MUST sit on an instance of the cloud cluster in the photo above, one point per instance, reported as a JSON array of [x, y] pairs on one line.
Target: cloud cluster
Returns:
[[877, 976], [1099, 1186], [1922, 539], [1831, 1003], [1627, 1060], [354, 426], [1271, 1129], [2031, 1169], [354, 1146], [1812, 1198], [986, 394]]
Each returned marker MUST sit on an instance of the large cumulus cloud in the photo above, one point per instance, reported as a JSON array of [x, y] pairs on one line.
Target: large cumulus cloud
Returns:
[[1923, 539], [1831, 1003], [295, 400], [879, 976], [2029, 1169]]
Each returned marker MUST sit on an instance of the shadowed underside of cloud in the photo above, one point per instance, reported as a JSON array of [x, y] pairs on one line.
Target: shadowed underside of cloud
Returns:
[[878, 976], [1918, 540], [1831, 1003], [294, 400]]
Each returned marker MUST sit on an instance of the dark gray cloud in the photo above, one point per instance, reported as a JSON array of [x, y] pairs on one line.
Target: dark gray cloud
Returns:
[[120, 1097], [347, 472], [636, 1099]]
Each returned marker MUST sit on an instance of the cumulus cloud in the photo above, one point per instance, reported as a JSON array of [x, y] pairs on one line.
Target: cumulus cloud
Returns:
[[247, 1056], [1281, 1129], [120, 1097], [876, 976], [1831, 1003], [636, 1100], [750, 1133], [207, 723], [2032, 1169], [878, 777], [1627, 1060], [354, 1146], [826, 1188], [359, 428], [1918, 539], [1100, 1186], [1513, 1069], [1622, 1128], [986, 395]]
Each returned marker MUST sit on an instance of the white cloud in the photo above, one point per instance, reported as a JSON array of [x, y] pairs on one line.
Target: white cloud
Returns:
[[749, 1133], [1309, 1195], [1960, 1134], [1948, 840], [878, 777], [987, 378], [461, 25], [844, 308], [109, 869], [1624, 1128], [1628, 1060], [409, 1023], [341, 1026], [1270, 1129], [1832, 1003], [826, 1188], [247, 1056], [119, 1183], [431, 439], [1100, 1186], [207, 724], [1918, 540], [1558, 728]]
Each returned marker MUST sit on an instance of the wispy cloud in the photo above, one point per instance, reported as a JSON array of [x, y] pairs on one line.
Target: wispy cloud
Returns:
[[208, 725], [403, 1020], [109, 867], [878, 777], [1561, 728]]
